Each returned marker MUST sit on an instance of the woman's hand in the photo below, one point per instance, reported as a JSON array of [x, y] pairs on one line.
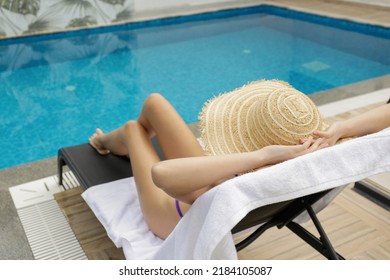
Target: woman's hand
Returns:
[[279, 153], [332, 134]]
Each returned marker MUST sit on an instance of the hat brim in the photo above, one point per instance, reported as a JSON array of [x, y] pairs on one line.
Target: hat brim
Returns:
[[229, 124]]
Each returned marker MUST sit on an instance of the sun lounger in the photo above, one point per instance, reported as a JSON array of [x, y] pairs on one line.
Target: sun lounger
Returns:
[[92, 169]]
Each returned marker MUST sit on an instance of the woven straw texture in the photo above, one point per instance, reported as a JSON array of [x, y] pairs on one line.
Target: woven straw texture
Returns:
[[261, 113]]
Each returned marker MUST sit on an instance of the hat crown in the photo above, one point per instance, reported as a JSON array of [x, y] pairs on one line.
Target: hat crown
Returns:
[[297, 107], [284, 117]]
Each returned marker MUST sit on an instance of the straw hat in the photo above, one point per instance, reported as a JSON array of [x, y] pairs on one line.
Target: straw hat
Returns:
[[261, 113]]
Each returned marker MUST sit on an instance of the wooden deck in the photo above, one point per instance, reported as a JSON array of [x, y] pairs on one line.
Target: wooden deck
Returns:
[[358, 228], [88, 230]]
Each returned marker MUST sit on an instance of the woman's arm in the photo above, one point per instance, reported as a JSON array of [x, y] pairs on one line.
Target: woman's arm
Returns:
[[187, 178], [366, 123]]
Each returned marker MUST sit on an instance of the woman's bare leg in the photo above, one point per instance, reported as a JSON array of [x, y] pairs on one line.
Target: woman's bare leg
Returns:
[[157, 118], [106, 143]]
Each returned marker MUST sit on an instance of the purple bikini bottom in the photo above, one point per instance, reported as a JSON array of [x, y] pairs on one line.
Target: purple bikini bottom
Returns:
[[178, 209]]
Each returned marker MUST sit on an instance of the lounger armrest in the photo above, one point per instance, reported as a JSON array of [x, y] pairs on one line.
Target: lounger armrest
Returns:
[[91, 168]]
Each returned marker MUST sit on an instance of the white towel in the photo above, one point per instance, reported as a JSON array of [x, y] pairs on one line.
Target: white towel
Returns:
[[205, 231], [116, 206]]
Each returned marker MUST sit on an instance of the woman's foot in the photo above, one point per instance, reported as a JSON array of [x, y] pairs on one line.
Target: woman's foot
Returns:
[[95, 142]]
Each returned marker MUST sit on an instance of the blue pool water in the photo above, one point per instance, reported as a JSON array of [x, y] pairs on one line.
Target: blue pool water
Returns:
[[56, 89]]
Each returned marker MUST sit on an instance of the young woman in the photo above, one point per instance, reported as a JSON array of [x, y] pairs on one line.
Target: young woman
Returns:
[[166, 189]]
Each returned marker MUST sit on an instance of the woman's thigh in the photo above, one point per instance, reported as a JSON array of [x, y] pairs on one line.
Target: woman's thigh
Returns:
[[158, 118], [158, 208]]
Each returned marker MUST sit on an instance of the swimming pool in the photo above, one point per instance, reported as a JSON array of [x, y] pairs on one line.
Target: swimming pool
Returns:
[[56, 89]]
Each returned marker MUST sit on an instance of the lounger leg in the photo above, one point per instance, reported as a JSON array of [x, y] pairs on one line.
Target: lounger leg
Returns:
[[253, 236], [322, 245], [60, 165]]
